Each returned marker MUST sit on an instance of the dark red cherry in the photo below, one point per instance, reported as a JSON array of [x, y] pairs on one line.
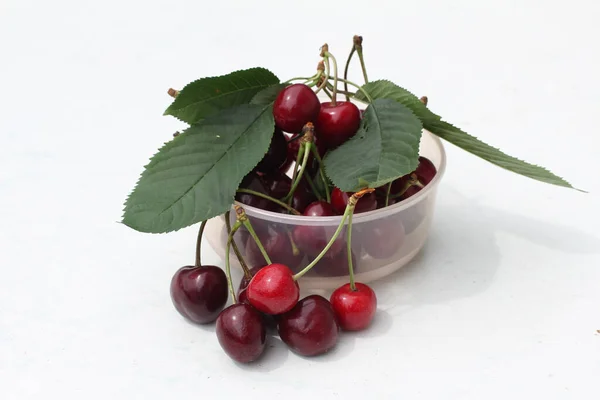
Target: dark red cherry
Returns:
[[294, 106], [313, 239], [294, 147], [425, 173], [278, 184], [381, 201], [276, 154], [354, 309], [241, 332], [336, 265], [337, 123], [381, 239], [199, 293], [339, 201], [277, 244], [273, 289], [310, 328], [255, 183]]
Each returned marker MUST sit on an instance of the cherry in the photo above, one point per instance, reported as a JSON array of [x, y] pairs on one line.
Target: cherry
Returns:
[[310, 328], [241, 332], [276, 155], [381, 201], [242, 297], [425, 173], [381, 239], [312, 239], [278, 246], [354, 309], [255, 183], [335, 266], [294, 148], [337, 122], [199, 293], [339, 201], [273, 289], [294, 106]]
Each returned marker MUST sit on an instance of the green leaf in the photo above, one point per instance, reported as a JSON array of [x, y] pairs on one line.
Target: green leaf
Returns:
[[207, 96], [268, 95], [195, 176], [434, 124], [385, 148]]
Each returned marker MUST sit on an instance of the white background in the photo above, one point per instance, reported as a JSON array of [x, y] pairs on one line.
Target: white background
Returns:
[[504, 301]]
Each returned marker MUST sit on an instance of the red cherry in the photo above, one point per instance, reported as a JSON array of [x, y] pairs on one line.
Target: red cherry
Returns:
[[381, 239], [199, 293], [339, 201], [294, 106], [241, 332], [278, 246], [273, 289], [354, 309], [312, 239], [425, 173], [310, 328], [337, 123]]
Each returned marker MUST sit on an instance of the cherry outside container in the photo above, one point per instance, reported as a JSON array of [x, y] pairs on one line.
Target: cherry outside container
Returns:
[[383, 240]]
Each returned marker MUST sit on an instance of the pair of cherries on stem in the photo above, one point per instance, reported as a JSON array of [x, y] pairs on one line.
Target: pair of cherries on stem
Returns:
[[335, 121]]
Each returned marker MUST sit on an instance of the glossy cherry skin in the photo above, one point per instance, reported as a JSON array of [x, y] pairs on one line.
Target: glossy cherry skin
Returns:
[[383, 238], [337, 123], [339, 201], [276, 155], [241, 332], [273, 290], [354, 309], [199, 293], [294, 148], [294, 106], [313, 239], [310, 328], [336, 265], [278, 246], [277, 184]]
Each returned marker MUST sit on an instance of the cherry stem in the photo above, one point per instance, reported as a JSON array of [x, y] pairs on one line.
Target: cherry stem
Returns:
[[335, 76], [349, 209], [346, 72], [387, 194], [241, 217], [315, 152], [299, 157], [367, 95], [267, 197], [301, 78], [326, 78], [295, 250], [306, 147], [313, 187], [247, 273], [199, 244], [349, 246], [173, 92], [236, 226], [359, 50], [328, 93]]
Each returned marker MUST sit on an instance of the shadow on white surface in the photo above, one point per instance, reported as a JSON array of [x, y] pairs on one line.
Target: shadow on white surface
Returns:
[[273, 358]]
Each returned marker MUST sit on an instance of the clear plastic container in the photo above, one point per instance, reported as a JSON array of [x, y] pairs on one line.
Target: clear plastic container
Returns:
[[383, 240]]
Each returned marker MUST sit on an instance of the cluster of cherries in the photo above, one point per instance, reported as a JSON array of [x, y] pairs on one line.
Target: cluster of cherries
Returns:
[[268, 294]]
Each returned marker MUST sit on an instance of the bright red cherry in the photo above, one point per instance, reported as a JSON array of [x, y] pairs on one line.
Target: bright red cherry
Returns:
[[199, 293], [312, 239], [337, 123], [354, 309], [339, 201], [294, 106], [273, 289], [310, 328], [241, 332]]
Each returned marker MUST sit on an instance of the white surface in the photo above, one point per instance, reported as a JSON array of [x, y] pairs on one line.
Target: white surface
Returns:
[[504, 301]]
